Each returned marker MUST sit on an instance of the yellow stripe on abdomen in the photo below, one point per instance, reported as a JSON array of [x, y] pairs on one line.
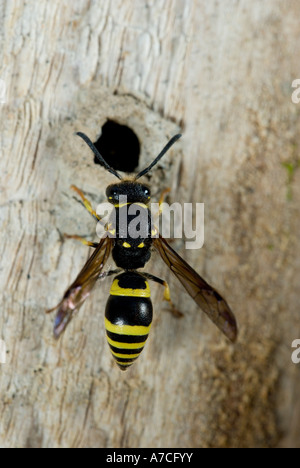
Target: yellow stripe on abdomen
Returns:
[[123, 345], [126, 329], [116, 290], [121, 355]]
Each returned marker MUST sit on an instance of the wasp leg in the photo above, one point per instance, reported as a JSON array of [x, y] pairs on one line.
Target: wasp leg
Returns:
[[86, 202], [161, 200], [167, 296], [81, 239], [105, 274], [160, 210]]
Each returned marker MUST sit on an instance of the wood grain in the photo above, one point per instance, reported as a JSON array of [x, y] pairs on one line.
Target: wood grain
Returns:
[[222, 73]]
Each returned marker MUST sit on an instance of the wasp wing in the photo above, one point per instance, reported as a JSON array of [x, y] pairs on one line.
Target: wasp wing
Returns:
[[203, 294], [80, 289]]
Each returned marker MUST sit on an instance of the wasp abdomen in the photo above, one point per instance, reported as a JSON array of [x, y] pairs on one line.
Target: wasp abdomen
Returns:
[[128, 317]]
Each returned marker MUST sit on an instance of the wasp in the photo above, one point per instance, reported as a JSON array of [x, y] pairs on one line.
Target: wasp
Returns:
[[128, 312]]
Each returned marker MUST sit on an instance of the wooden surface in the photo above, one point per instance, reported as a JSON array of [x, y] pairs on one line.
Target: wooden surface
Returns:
[[222, 73]]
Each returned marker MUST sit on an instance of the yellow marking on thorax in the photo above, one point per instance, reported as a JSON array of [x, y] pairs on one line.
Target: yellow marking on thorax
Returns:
[[116, 290], [128, 246]]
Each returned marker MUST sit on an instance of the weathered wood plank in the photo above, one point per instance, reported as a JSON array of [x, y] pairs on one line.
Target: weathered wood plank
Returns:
[[222, 72]]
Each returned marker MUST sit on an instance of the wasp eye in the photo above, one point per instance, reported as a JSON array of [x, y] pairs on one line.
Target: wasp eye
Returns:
[[112, 193]]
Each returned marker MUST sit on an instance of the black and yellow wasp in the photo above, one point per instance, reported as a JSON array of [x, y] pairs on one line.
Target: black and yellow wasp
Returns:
[[128, 313]]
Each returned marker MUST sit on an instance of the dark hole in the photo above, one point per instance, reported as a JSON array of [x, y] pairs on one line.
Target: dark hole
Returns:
[[119, 146]]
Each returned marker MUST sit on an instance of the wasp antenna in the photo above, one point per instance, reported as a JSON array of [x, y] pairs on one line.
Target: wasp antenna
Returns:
[[163, 151], [98, 155]]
